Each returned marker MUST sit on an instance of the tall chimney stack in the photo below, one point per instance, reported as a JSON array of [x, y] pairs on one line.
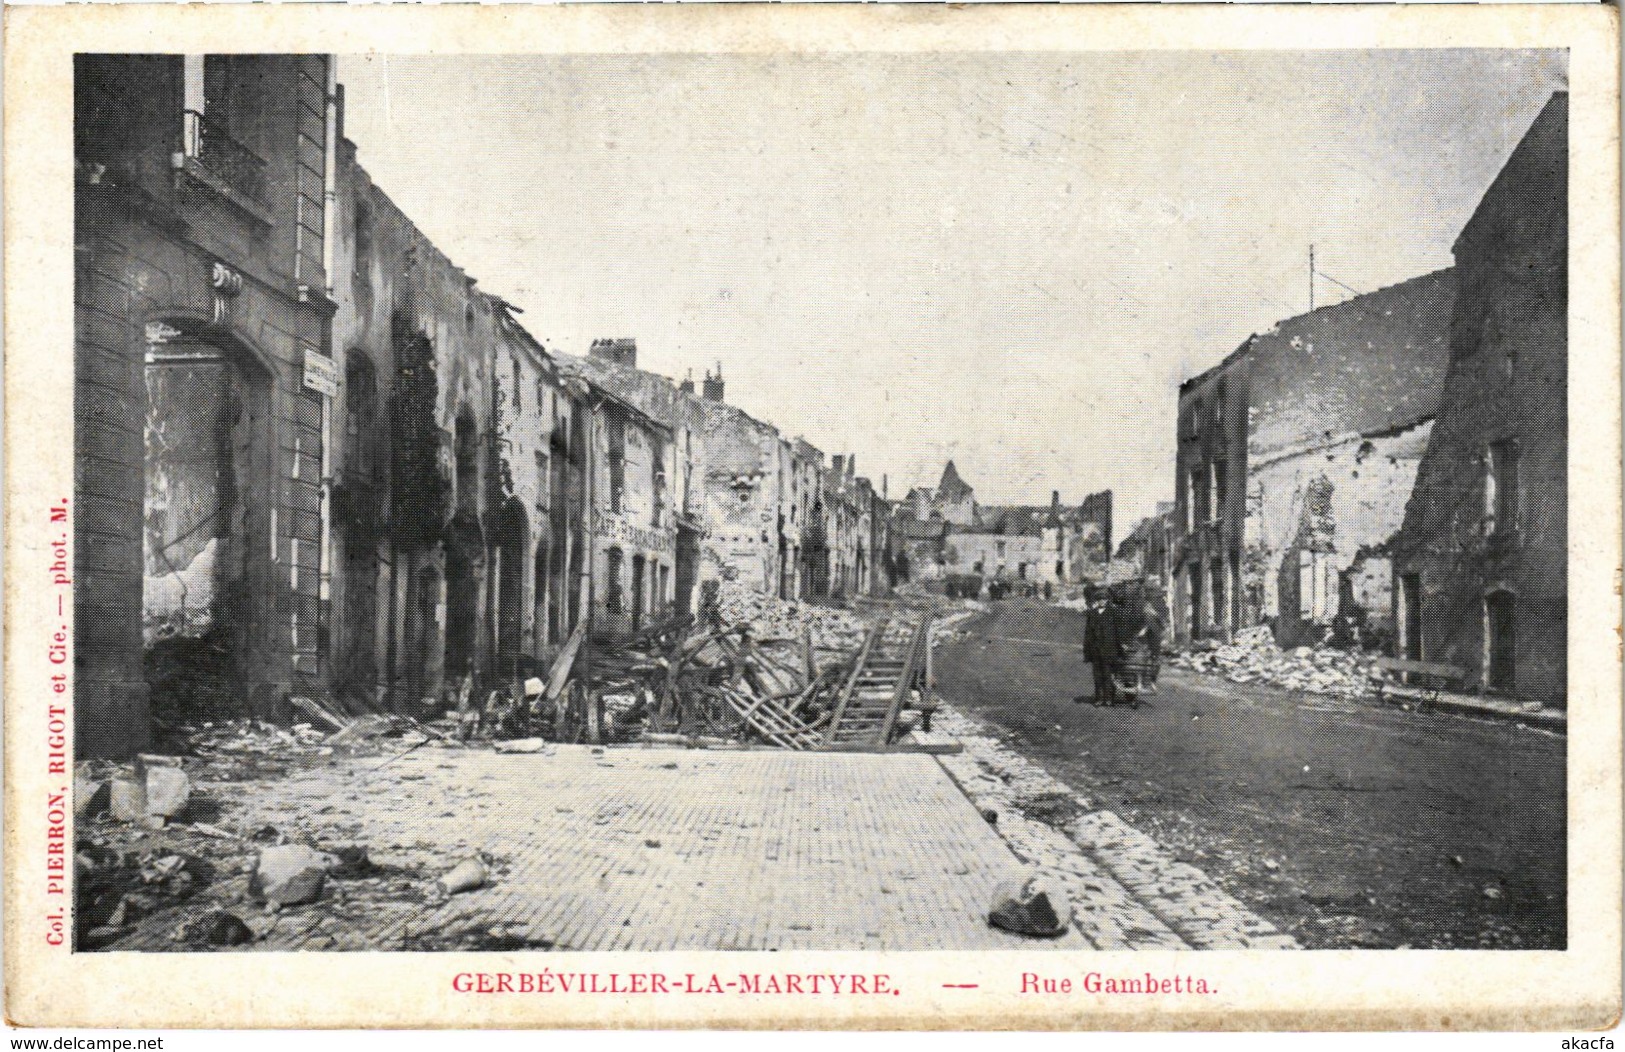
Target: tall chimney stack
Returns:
[[713, 388], [687, 386]]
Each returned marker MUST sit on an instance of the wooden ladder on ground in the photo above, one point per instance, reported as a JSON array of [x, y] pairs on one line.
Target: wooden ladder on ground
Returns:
[[887, 668]]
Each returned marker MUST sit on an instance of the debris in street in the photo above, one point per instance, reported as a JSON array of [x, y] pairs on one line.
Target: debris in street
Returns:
[[215, 928], [290, 874], [1030, 904], [467, 875], [791, 675], [1253, 657], [522, 745], [90, 795]]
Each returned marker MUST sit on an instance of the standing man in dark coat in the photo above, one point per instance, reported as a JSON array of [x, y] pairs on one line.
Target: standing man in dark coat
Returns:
[[1100, 646]]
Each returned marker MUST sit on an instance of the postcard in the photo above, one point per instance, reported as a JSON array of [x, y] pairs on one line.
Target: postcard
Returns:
[[799, 517]]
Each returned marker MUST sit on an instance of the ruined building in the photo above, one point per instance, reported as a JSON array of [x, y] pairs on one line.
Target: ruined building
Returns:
[[941, 531], [743, 482], [1146, 551], [425, 536], [1295, 456], [202, 384], [1481, 560], [647, 489]]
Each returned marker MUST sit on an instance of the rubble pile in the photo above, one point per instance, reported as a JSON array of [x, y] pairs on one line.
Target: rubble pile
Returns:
[[1254, 658], [745, 678], [771, 620]]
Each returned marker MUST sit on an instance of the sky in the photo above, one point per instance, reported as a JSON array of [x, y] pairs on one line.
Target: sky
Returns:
[[1007, 259]]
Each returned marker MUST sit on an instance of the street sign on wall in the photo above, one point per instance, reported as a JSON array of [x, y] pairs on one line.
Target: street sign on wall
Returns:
[[321, 373]]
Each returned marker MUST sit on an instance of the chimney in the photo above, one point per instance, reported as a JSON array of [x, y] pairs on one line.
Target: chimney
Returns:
[[616, 352], [687, 386], [1055, 500], [883, 495], [851, 465], [713, 385], [838, 462]]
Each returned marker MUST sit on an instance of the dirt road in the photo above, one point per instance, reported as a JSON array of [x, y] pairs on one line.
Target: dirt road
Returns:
[[1346, 823]]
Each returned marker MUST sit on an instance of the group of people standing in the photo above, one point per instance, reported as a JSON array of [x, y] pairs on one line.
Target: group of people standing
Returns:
[[1118, 619]]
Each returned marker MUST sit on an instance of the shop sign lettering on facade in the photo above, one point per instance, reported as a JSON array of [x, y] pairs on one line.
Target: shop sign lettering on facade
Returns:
[[618, 530]]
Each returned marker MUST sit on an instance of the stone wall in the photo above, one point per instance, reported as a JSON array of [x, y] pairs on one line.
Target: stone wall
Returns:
[[1485, 565], [218, 259], [1367, 482]]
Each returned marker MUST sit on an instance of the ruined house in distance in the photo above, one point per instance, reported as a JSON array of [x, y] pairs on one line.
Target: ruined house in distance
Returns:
[[1295, 457], [1145, 552], [1482, 559], [945, 530], [744, 479]]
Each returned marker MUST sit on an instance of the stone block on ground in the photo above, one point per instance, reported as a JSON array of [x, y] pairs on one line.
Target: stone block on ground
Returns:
[[127, 799], [1030, 904], [168, 790], [290, 874]]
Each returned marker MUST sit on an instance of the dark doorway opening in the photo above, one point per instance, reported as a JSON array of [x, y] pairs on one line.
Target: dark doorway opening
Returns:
[[1410, 587], [205, 445], [513, 540], [1500, 622]]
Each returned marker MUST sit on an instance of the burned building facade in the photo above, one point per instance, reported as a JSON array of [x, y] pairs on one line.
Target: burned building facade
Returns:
[[540, 539], [808, 544], [202, 380], [450, 414], [1341, 404], [1210, 473], [1296, 456], [1482, 558], [647, 491]]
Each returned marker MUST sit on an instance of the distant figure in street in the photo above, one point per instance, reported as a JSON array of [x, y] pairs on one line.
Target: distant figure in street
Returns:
[[711, 605], [1100, 645], [1154, 618]]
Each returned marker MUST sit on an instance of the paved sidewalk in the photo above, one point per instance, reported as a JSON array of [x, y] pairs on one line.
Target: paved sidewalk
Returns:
[[1133, 894], [636, 849]]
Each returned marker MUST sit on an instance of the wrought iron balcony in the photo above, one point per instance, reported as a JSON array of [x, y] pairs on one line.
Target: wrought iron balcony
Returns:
[[211, 146]]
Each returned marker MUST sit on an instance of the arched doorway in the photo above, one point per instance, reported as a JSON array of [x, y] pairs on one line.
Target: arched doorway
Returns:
[[205, 454], [512, 542]]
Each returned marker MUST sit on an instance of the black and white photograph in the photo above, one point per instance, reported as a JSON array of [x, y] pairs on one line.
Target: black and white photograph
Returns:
[[1064, 502]]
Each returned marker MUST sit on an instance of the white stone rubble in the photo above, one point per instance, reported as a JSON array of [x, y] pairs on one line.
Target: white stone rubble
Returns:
[[1254, 658]]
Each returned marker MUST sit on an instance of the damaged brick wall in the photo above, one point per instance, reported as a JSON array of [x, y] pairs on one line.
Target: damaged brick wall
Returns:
[[742, 486], [1364, 483]]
